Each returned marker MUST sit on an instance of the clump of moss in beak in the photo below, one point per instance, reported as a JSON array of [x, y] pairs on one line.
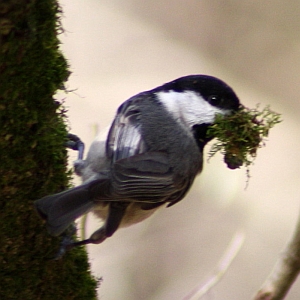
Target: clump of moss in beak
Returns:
[[239, 135]]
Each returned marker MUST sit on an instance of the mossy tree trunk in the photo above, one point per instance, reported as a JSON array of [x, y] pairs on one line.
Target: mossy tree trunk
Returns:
[[33, 160]]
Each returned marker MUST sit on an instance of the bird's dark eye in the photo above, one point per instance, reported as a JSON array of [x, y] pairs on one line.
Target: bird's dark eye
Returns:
[[215, 100]]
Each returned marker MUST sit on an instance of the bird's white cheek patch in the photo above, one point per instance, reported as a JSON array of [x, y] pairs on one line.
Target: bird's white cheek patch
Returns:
[[189, 107]]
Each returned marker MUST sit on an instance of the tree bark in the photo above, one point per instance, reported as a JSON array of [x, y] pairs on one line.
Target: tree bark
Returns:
[[33, 160]]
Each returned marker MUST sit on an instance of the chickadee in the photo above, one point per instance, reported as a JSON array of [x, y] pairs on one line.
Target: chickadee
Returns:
[[149, 158]]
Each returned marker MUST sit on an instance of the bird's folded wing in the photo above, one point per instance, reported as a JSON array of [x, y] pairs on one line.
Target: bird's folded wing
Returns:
[[137, 174], [145, 177]]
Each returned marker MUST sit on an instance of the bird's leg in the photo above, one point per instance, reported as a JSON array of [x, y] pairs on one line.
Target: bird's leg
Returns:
[[68, 243], [115, 216], [75, 143], [97, 237]]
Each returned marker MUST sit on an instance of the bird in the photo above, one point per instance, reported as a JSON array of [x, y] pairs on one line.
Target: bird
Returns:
[[146, 160]]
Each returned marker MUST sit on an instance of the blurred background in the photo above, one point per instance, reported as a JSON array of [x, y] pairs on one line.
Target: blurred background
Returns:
[[118, 48]]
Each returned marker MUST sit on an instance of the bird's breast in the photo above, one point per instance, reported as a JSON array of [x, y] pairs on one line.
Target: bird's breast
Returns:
[[134, 214]]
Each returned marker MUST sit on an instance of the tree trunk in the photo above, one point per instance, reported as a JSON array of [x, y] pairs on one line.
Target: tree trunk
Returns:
[[33, 160]]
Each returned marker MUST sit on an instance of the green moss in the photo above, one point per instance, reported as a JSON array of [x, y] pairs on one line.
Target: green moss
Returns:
[[239, 135], [33, 157]]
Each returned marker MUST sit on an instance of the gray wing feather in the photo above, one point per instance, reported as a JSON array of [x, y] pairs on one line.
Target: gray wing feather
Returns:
[[146, 177], [124, 138]]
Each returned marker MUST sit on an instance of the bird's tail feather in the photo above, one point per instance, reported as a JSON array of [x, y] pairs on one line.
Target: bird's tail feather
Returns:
[[61, 209]]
